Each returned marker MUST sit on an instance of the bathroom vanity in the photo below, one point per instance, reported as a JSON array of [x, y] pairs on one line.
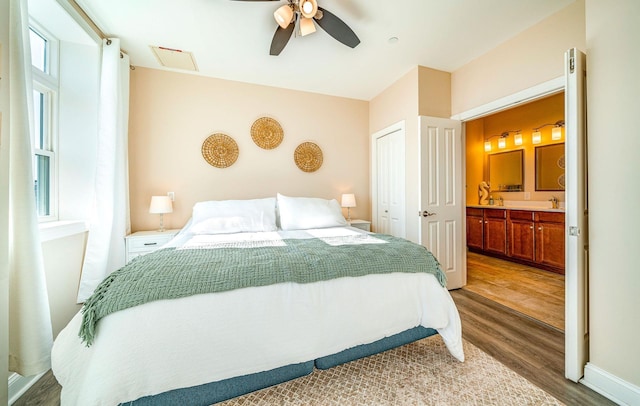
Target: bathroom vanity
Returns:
[[533, 237]]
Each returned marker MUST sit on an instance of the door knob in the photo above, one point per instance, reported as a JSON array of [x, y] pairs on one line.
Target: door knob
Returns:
[[427, 214]]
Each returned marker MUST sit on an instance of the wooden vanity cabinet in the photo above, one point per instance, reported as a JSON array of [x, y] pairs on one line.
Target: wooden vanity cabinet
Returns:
[[475, 228], [495, 231], [522, 235], [549, 237], [534, 238]]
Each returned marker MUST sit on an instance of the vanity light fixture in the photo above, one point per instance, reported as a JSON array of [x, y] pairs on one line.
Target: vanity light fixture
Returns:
[[502, 142], [556, 132]]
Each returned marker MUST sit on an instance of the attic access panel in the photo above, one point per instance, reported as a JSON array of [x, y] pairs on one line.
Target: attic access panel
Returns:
[[175, 58]]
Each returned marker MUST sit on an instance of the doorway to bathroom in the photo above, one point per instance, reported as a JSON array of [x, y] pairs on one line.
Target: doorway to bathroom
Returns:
[[515, 199]]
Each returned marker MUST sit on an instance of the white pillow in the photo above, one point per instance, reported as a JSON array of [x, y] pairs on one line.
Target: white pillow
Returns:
[[234, 216], [300, 213]]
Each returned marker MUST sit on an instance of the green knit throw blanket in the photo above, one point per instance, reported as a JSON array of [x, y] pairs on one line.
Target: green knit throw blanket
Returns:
[[173, 273]]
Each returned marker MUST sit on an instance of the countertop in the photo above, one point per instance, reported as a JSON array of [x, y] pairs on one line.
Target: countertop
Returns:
[[510, 207]]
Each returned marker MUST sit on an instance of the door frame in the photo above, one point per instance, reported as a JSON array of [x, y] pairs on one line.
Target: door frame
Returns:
[[399, 126], [540, 91]]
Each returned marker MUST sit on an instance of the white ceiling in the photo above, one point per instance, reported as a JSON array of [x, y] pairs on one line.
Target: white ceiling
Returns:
[[231, 39]]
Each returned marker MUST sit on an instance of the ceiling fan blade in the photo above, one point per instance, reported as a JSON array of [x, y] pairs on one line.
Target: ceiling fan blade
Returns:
[[337, 28], [280, 39]]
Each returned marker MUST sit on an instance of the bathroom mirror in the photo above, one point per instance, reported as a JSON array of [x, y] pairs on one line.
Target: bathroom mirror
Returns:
[[550, 167], [506, 171]]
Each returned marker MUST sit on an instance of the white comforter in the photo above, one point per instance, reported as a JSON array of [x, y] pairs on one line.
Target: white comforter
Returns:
[[170, 344]]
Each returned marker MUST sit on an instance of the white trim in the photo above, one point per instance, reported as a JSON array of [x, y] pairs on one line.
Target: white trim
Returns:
[[18, 385], [610, 386], [59, 229], [544, 89]]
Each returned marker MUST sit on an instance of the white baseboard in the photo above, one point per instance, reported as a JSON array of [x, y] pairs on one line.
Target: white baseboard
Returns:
[[610, 386], [18, 385]]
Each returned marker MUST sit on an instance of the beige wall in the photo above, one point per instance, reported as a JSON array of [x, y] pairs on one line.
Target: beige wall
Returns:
[[434, 92], [422, 91], [534, 56], [613, 103], [525, 118], [171, 114]]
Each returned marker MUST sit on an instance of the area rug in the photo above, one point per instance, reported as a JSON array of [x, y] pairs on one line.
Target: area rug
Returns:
[[420, 373]]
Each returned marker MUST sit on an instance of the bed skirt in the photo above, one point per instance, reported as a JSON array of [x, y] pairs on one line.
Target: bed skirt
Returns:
[[219, 391]]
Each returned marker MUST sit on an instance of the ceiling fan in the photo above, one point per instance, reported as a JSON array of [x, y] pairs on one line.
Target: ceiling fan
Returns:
[[302, 14]]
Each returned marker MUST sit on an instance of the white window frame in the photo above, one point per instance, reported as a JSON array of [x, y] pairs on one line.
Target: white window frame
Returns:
[[48, 83]]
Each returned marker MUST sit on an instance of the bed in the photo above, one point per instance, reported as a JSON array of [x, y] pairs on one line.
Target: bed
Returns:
[[277, 287]]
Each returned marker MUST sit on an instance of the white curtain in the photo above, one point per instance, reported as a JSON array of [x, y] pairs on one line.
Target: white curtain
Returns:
[[30, 335], [110, 221]]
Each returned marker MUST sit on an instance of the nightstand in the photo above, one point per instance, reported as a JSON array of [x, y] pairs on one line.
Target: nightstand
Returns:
[[361, 224], [144, 242]]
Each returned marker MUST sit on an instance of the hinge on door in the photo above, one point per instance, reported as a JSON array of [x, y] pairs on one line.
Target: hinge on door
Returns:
[[572, 61], [572, 65], [574, 231]]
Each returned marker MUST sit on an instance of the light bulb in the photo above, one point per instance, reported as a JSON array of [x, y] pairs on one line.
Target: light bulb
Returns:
[[307, 7]]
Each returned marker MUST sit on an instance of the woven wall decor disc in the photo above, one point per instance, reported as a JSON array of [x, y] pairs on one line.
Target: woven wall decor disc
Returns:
[[220, 150], [267, 133], [308, 157]]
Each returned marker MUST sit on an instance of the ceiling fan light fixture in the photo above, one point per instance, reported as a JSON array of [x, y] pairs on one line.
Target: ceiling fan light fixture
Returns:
[[283, 16], [307, 26], [308, 8]]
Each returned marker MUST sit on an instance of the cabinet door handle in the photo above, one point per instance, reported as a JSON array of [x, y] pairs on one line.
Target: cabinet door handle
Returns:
[[150, 243], [540, 228], [531, 227]]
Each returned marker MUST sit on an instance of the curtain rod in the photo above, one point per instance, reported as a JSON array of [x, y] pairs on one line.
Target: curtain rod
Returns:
[[81, 17], [78, 13]]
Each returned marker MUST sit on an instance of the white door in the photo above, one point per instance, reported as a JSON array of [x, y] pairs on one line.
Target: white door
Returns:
[[389, 181], [442, 198], [576, 248]]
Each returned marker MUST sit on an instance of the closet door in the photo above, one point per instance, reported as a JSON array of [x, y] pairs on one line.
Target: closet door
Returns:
[[389, 210]]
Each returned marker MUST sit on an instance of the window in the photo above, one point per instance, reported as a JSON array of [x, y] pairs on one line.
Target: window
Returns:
[[45, 90]]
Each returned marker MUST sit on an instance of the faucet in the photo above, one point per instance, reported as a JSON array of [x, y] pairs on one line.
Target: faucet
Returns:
[[554, 202]]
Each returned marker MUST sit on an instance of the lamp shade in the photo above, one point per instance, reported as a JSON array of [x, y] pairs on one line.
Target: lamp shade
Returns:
[[517, 139], [556, 133], [307, 26], [348, 200], [160, 205], [308, 8], [536, 137], [283, 16]]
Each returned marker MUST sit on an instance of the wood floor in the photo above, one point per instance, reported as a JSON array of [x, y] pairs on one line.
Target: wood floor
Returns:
[[531, 291], [531, 348]]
